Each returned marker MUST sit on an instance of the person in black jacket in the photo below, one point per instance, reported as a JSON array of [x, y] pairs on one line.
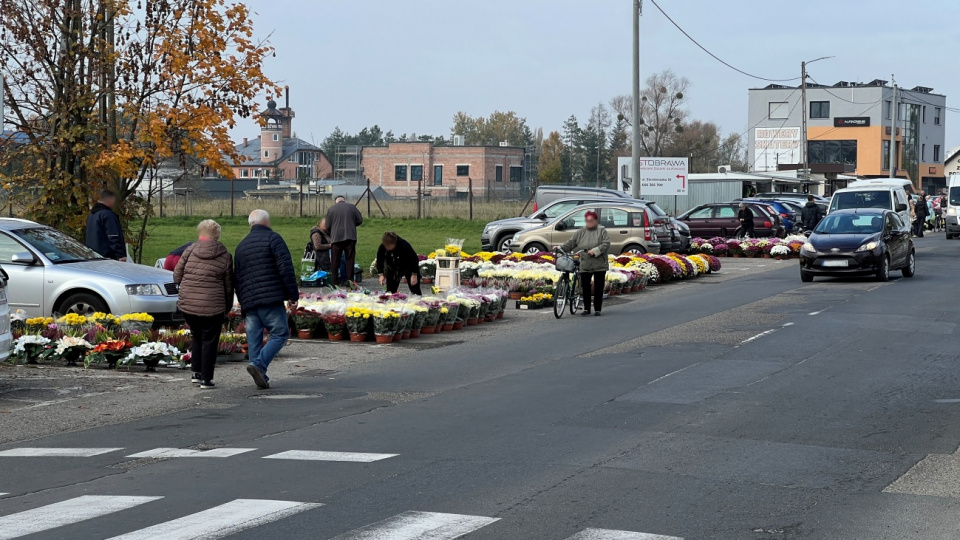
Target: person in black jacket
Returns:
[[104, 233], [396, 261], [811, 214], [265, 278], [745, 215]]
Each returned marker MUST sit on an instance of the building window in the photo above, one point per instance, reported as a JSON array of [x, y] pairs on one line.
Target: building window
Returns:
[[885, 150], [832, 152], [293, 157], [266, 173], [416, 173], [887, 109], [257, 173], [400, 173], [516, 174], [276, 136], [936, 116], [438, 175], [923, 114], [819, 109], [923, 153], [463, 170], [266, 153], [936, 153], [778, 110], [244, 173], [499, 173]]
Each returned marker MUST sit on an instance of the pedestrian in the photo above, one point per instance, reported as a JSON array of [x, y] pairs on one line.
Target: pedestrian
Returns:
[[265, 280], [104, 232], [396, 261], [811, 214], [745, 215], [172, 258], [205, 275], [920, 209], [343, 219], [594, 241], [320, 246]]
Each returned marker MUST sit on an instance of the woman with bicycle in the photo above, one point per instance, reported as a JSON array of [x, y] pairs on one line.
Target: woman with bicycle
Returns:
[[594, 242]]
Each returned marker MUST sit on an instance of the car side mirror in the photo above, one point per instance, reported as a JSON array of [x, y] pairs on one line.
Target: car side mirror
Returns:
[[24, 257], [807, 233], [901, 207], [561, 226], [540, 216]]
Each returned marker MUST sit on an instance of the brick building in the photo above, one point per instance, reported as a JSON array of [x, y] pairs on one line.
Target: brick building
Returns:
[[446, 171], [277, 155]]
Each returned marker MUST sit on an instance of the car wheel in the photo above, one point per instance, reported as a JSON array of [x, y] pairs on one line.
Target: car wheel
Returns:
[[883, 271], [533, 248], [806, 277], [950, 236], [85, 304], [501, 243], [911, 268], [634, 249]]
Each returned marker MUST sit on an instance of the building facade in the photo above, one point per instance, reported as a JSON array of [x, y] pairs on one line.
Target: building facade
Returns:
[[401, 168], [952, 164], [849, 131], [277, 154]]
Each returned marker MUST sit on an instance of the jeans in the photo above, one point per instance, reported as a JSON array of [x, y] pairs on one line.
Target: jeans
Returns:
[[273, 318], [205, 332], [596, 291], [348, 248]]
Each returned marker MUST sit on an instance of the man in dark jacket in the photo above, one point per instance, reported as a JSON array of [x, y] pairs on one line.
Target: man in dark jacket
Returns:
[[104, 233], [343, 219], [811, 214], [920, 208], [265, 278], [745, 215], [396, 261]]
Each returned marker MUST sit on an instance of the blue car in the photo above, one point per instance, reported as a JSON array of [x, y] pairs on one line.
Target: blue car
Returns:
[[789, 216]]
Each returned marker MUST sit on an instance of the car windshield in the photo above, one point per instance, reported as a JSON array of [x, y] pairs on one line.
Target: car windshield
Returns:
[[955, 196], [555, 210], [656, 209], [59, 248], [850, 224], [861, 199]]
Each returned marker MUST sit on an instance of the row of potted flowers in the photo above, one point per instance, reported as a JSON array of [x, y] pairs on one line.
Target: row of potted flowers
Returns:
[[785, 248]]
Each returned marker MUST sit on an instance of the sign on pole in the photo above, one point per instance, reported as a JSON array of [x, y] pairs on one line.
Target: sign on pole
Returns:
[[664, 176]]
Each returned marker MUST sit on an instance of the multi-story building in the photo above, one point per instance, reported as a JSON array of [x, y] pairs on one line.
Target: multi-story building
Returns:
[[952, 164], [277, 154], [849, 131]]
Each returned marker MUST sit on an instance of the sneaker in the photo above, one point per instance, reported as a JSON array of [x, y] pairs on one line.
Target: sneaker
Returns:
[[207, 385], [257, 375], [585, 314], [195, 378], [597, 313]]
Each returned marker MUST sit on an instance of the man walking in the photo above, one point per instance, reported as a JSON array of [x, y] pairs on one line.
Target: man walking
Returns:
[[343, 219], [104, 233], [811, 214], [745, 215], [920, 208], [264, 280]]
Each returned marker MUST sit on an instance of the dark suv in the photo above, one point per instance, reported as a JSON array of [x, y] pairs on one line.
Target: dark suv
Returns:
[[720, 219]]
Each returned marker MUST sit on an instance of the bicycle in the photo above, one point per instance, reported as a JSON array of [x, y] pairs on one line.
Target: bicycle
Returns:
[[568, 289]]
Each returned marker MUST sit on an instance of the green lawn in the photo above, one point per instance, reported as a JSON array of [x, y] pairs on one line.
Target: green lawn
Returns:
[[425, 235]]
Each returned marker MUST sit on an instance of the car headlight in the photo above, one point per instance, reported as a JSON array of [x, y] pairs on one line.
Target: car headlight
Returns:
[[869, 246], [808, 247], [146, 289], [952, 211]]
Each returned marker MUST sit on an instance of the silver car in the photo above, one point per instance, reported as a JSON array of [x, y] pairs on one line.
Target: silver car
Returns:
[[52, 273]]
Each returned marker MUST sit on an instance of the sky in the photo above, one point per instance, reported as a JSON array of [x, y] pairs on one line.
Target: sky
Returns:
[[409, 66]]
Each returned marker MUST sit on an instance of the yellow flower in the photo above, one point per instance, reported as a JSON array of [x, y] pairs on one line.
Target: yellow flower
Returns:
[[39, 321], [72, 319], [138, 317]]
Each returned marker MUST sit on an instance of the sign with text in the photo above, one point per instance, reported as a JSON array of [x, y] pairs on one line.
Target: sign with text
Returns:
[[775, 146], [664, 176], [863, 121]]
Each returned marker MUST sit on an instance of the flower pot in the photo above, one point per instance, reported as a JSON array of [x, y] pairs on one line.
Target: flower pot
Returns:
[[456, 326], [449, 326], [500, 314], [472, 321], [358, 337], [384, 338], [406, 334], [335, 337], [415, 333], [779, 257], [516, 295], [428, 330], [151, 363], [766, 255], [398, 337], [491, 317], [305, 333], [427, 281]]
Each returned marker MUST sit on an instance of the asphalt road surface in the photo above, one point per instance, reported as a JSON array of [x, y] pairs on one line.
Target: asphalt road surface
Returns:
[[755, 407]]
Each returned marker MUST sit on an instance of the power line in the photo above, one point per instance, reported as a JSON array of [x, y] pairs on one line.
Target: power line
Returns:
[[715, 57]]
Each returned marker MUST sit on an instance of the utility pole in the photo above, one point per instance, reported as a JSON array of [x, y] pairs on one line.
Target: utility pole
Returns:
[[803, 131], [635, 156], [894, 109]]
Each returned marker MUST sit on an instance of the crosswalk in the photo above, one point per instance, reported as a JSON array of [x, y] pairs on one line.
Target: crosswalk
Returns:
[[57, 452], [240, 515], [173, 453]]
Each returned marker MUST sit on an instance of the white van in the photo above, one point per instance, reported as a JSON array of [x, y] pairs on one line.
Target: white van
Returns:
[[887, 196], [952, 216], [905, 184]]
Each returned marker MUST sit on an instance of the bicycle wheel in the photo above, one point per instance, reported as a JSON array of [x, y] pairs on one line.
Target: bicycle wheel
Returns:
[[560, 297], [575, 294]]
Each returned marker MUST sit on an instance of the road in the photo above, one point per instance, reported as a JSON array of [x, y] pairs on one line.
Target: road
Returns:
[[752, 407]]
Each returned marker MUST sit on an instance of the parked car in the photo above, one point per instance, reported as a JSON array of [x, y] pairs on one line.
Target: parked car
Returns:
[[887, 196], [6, 336], [497, 234], [857, 242], [788, 216], [54, 273], [793, 196], [629, 224], [548, 194], [720, 219]]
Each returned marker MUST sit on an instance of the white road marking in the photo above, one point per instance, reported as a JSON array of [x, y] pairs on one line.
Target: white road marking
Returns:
[[221, 521], [57, 452], [816, 312], [607, 534], [420, 526], [186, 452], [788, 324], [758, 336], [310, 455], [65, 513]]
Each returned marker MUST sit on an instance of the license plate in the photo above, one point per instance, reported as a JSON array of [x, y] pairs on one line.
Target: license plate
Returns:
[[835, 264]]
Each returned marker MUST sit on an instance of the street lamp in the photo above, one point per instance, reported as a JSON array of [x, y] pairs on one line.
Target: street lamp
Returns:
[[803, 97]]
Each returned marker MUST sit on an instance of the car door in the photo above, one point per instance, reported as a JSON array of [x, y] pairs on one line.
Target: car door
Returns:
[[25, 290], [564, 229], [700, 220], [897, 239], [617, 223], [725, 220]]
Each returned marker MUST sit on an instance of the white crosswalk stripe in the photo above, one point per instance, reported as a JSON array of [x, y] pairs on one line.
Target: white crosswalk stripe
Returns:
[[310, 455], [186, 452], [419, 526], [221, 521], [65, 513], [607, 534], [57, 452]]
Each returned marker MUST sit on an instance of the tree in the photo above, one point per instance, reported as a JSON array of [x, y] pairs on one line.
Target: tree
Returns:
[[551, 159], [698, 141], [733, 152], [107, 91], [619, 145], [662, 110], [596, 153], [572, 151], [491, 131]]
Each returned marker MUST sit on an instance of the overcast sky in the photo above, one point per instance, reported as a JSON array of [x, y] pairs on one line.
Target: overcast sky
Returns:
[[410, 65]]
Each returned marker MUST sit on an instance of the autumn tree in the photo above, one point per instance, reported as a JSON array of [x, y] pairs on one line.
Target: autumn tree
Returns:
[[620, 145], [698, 141], [491, 131], [551, 159], [107, 92], [662, 110], [573, 151]]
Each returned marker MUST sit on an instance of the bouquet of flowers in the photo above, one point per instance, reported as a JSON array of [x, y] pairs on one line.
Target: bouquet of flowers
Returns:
[[142, 322], [71, 323], [38, 324], [335, 321], [109, 352], [358, 319], [150, 354], [105, 320], [385, 322], [28, 348], [70, 348], [780, 250]]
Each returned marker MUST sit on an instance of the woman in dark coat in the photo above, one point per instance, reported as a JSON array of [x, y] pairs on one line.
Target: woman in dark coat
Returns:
[[320, 238], [396, 261]]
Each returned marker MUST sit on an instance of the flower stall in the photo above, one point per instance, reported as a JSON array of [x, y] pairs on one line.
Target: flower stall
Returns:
[[778, 248]]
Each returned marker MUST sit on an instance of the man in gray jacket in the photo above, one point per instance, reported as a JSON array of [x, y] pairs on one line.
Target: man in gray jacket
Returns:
[[343, 219]]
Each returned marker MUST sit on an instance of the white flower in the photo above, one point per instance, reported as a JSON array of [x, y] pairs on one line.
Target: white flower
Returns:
[[69, 342], [780, 250], [29, 339]]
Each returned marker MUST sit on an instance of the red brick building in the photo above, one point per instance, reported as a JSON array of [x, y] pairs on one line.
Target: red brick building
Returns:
[[445, 171]]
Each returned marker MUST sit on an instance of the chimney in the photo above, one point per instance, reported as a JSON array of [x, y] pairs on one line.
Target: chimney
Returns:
[[244, 142], [286, 93]]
